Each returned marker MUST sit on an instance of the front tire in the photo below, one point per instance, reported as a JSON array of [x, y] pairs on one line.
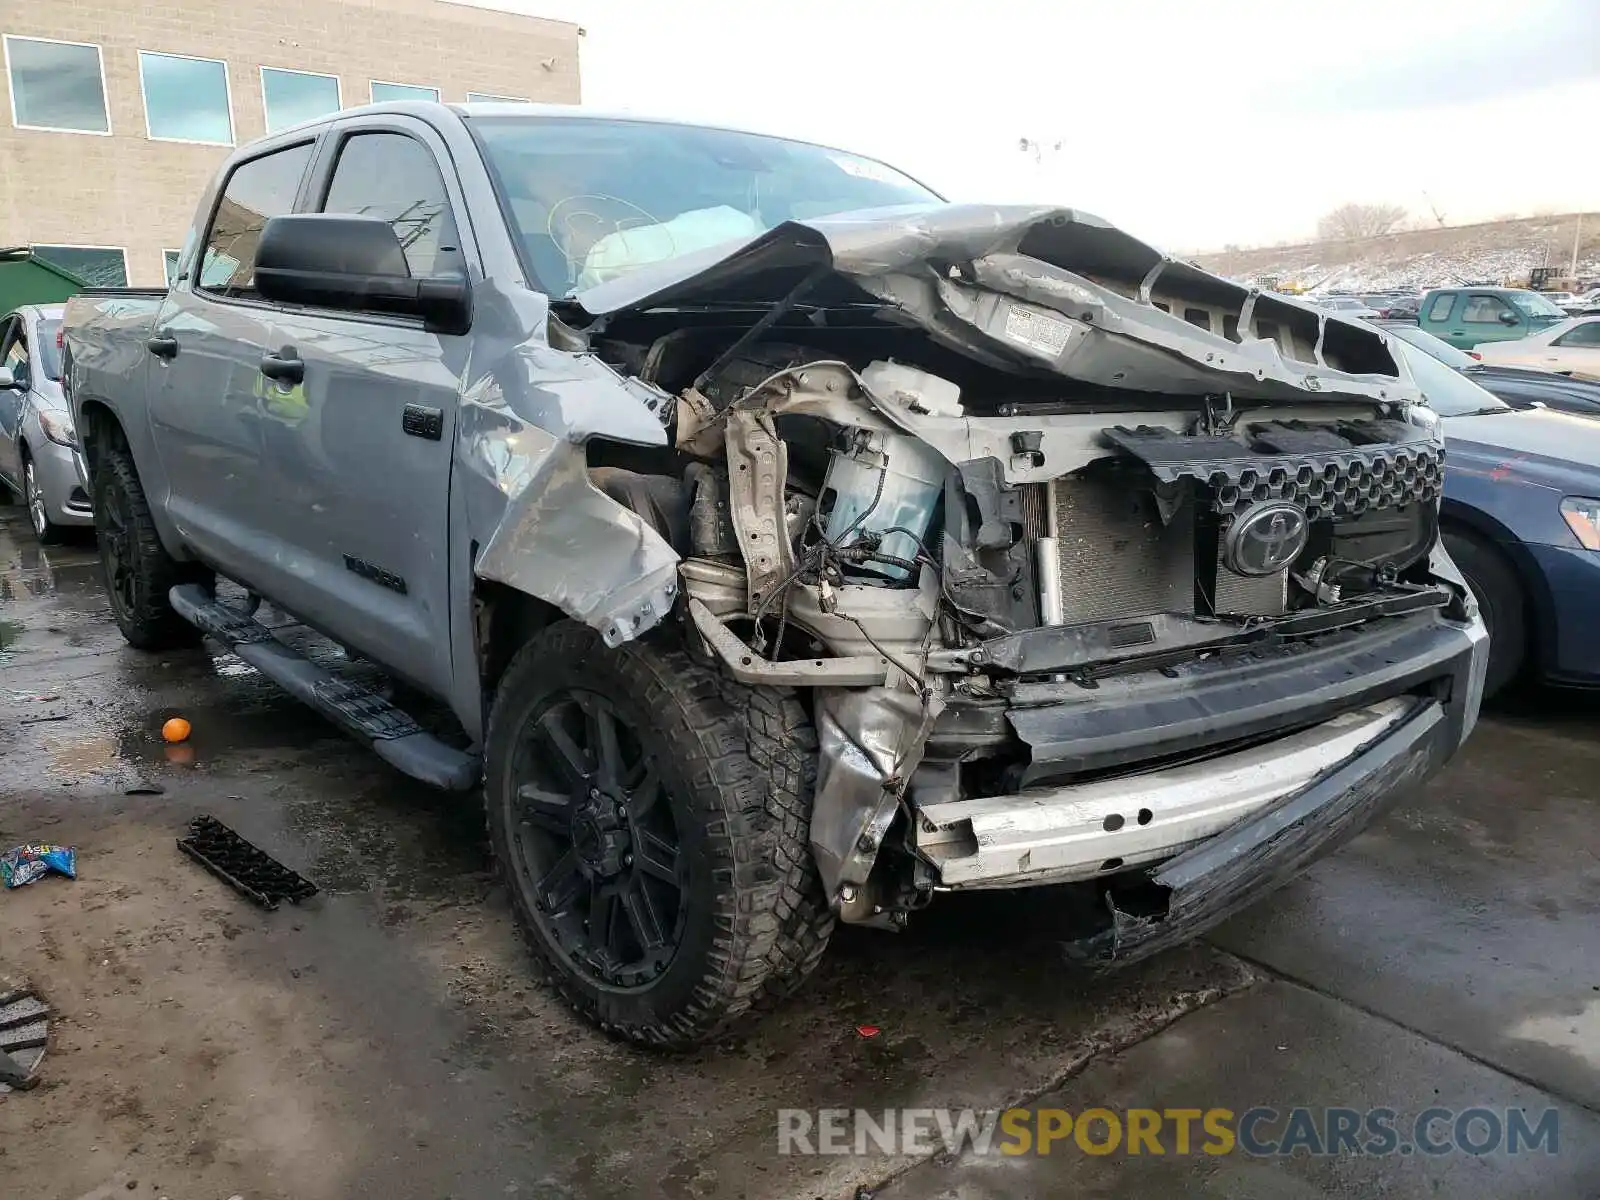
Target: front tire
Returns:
[[44, 529], [1500, 600], [136, 568], [652, 822]]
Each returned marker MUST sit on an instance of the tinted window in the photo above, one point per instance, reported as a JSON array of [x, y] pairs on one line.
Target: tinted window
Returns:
[[57, 85], [186, 99], [49, 352], [1583, 335], [592, 200], [392, 176], [1439, 310], [261, 188], [1482, 310], [16, 355]]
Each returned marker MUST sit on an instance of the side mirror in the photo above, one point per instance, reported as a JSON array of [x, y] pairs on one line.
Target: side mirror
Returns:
[[1509, 318], [8, 381], [353, 263]]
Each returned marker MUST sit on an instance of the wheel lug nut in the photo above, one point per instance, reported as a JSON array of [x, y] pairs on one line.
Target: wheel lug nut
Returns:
[[627, 860]]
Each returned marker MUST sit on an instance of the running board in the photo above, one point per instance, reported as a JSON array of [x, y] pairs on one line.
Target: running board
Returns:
[[392, 734]]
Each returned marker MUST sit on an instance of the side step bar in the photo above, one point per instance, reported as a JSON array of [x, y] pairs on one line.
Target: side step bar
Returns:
[[393, 735]]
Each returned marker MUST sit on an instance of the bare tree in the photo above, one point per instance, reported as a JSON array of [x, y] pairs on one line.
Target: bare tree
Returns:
[[1360, 221]]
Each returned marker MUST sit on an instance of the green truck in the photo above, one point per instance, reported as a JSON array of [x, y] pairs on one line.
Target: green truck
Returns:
[[1469, 316]]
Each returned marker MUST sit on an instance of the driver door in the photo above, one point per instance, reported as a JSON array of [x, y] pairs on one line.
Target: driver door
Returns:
[[13, 401]]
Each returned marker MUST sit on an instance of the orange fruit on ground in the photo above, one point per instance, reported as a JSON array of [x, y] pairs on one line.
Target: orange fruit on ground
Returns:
[[175, 730]]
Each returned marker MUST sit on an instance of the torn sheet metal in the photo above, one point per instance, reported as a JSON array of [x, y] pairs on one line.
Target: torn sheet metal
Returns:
[[545, 529], [1040, 289], [871, 741], [758, 474]]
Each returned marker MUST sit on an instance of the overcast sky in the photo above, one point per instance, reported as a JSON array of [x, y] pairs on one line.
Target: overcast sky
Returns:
[[1190, 124]]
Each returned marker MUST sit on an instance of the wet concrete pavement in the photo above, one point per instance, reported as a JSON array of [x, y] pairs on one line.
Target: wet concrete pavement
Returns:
[[387, 1040]]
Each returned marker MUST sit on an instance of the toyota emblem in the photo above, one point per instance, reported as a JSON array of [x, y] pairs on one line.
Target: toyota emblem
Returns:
[[1266, 538]]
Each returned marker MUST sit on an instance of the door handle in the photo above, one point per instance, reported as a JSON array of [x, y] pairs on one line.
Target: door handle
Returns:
[[286, 366], [162, 345]]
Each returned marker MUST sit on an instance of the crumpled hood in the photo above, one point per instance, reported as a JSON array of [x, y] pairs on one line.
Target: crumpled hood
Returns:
[[1038, 289]]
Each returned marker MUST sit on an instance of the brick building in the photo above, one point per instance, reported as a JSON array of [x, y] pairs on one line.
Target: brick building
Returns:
[[117, 112]]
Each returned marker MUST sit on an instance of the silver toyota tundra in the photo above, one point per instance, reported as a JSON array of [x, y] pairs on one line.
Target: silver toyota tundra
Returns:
[[789, 544]]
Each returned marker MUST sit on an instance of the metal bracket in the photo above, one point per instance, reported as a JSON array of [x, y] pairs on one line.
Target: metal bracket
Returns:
[[745, 665], [758, 469]]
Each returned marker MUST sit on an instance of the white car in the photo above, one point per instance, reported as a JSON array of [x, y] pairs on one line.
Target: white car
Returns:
[[1345, 306], [1571, 347]]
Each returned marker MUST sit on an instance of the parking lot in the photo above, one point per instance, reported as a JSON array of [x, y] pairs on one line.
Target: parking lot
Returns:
[[386, 1039]]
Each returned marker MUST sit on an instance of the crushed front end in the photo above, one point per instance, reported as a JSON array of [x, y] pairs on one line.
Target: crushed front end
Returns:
[[1097, 569]]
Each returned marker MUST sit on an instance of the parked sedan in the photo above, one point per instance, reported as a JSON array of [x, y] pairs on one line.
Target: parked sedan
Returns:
[[1570, 347], [1521, 519], [36, 434], [1520, 387]]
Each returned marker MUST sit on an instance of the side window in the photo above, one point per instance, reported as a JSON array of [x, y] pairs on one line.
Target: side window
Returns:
[[261, 188], [1439, 310], [1484, 310], [16, 351], [393, 176], [1581, 335]]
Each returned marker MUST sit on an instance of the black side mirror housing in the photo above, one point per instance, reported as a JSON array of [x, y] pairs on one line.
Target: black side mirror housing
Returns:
[[354, 263]]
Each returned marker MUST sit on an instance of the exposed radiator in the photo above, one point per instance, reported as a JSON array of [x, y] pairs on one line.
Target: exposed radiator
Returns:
[[1117, 559]]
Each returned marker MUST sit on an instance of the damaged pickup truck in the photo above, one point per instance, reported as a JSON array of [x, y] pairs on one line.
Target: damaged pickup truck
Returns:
[[790, 545]]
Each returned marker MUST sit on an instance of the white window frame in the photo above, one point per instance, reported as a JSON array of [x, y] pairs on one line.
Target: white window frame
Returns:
[[495, 98], [227, 87], [177, 254], [11, 81], [438, 95], [122, 250], [338, 89]]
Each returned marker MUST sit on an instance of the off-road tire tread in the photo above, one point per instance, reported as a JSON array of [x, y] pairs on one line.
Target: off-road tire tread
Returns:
[[154, 625], [751, 756]]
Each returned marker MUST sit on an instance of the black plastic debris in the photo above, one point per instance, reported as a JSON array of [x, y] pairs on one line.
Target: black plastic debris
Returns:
[[24, 1034], [248, 870]]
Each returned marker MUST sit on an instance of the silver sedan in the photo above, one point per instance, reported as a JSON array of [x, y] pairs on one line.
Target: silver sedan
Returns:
[[37, 439]]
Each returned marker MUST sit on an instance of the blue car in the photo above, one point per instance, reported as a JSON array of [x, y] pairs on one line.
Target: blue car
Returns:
[[1521, 518]]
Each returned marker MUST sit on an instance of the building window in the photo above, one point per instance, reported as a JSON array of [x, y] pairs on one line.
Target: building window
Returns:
[[392, 176], [258, 189], [291, 97], [384, 92], [56, 85], [186, 99], [98, 266], [490, 98], [169, 259]]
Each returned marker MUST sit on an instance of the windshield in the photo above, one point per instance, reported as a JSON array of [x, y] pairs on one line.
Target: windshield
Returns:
[[1534, 304], [49, 355], [1456, 360], [1448, 392], [590, 200]]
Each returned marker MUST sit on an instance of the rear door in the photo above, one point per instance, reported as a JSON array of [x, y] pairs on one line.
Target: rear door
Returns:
[[205, 394], [360, 450], [1434, 315]]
